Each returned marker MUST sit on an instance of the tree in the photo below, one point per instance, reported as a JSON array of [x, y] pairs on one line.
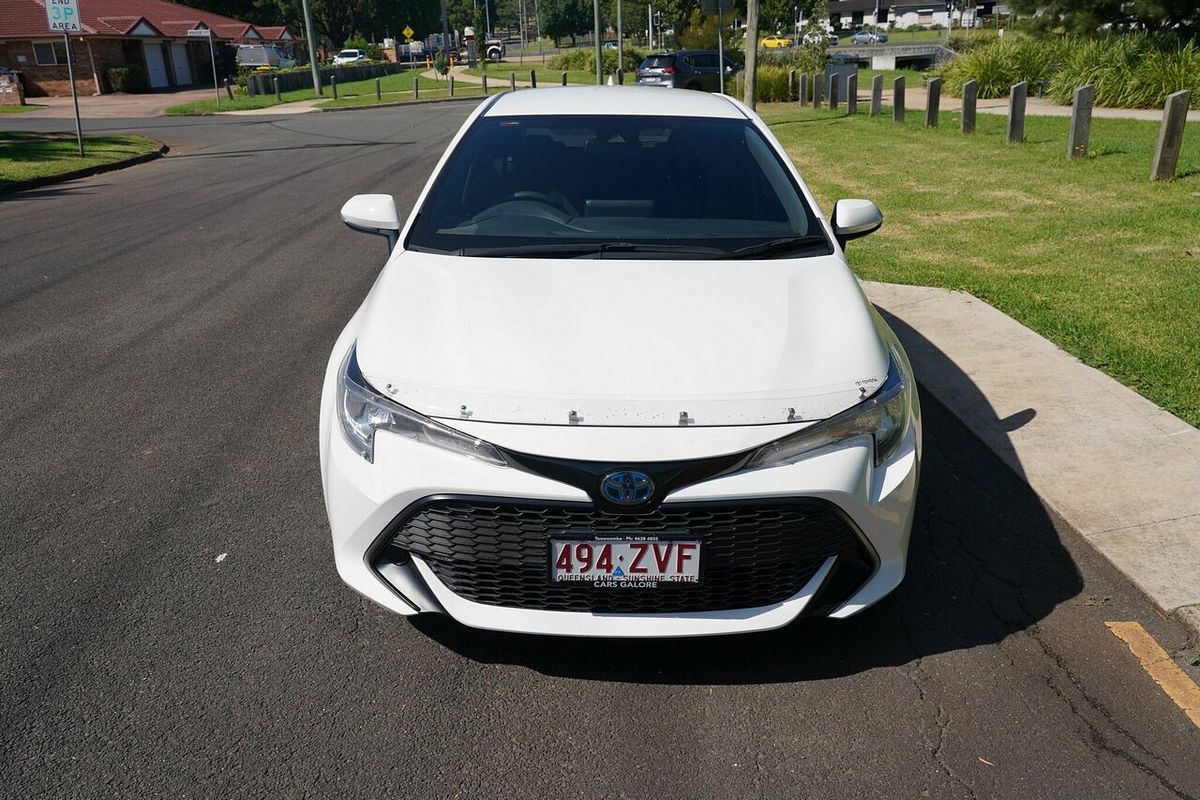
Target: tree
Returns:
[[779, 16], [561, 18], [1091, 16], [748, 96]]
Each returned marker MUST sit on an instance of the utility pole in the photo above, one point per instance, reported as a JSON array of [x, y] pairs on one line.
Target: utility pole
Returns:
[[751, 52], [596, 37], [721, 45], [312, 51], [445, 31], [620, 40]]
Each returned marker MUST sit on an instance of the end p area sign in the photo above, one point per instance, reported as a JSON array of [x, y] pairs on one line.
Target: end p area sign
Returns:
[[63, 16]]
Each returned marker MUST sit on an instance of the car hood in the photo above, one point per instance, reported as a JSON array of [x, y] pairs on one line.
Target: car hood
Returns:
[[620, 342]]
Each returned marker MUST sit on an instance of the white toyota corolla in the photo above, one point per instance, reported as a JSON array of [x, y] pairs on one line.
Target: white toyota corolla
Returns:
[[617, 379]]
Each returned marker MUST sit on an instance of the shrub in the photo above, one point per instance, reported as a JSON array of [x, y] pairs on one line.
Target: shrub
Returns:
[[997, 66], [127, 78], [964, 41], [584, 59], [772, 85], [1128, 71]]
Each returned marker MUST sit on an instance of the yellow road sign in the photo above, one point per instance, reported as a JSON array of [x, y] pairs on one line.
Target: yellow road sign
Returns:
[[408, 32]]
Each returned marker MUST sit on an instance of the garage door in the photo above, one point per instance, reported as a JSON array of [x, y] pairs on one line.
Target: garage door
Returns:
[[180, 63], [156, 66]]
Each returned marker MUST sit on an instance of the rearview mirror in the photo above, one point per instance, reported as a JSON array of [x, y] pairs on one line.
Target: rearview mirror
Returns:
[[373, 213], [853, 219]]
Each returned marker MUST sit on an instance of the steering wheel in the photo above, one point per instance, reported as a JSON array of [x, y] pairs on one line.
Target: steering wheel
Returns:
[[555, 199]]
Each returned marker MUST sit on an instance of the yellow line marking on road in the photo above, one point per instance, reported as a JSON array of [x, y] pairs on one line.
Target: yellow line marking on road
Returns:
[[1159, 666]]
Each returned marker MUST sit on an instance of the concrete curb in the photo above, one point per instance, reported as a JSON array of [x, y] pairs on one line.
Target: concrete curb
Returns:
[[33, 183], [1117, 468]]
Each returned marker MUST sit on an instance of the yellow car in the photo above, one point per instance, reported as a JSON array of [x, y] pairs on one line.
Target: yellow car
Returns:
[[777, 41]]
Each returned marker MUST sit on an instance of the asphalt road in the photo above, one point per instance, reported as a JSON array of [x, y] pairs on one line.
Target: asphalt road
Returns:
[[173, 625]]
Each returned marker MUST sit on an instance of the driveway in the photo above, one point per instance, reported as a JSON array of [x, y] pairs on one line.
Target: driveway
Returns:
[[113, 106]]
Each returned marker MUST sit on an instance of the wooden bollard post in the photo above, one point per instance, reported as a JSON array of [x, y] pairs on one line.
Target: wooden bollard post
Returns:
[[817, 99], [533, 79], [512, 81], [876, 95], [228, 89], [564, 78], [378, 90], [485, 84], [333, 85], [1016, 113], [620, 76], [804, 88], [898, 99], [1081, 121], [278, 91], [933, 102], [970, 95], [1170, 136], [852, 94], [452, 86], [416, 88], [791, 92], [833, 91]]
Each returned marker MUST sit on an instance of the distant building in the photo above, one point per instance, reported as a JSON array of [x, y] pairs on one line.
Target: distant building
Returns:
[[851, 14], [149, 33]]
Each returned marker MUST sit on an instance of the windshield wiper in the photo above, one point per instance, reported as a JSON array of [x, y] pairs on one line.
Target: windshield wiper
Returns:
[[786, 245], [599, 249]]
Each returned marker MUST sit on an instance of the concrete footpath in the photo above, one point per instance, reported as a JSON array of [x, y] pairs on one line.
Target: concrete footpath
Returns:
[[1116, 467]]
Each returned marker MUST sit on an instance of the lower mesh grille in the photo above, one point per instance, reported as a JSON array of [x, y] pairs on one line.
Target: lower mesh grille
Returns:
[[497, 552]]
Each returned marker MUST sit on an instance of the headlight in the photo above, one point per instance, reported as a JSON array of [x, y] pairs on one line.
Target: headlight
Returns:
[[362, 411], [885, 416]]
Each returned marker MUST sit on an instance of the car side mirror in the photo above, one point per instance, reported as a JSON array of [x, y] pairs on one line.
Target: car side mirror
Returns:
[[373, 213], [853, 219]]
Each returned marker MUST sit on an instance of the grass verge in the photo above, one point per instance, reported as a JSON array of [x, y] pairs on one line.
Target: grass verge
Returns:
[[390, 83], [18, 109], [1089, 253], [498, 75], [437, 91], [26, 156]]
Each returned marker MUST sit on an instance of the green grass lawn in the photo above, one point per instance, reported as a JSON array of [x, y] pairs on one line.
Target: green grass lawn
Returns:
[[18, 109], [1089, 253], [912, 77], [400, 82], [429, 90], [24, 156], [498, 74]]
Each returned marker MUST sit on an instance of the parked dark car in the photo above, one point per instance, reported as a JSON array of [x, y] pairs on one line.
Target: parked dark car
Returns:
[[686, 69]]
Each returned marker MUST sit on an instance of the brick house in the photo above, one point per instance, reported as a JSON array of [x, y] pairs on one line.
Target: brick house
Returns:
[[149, 33]]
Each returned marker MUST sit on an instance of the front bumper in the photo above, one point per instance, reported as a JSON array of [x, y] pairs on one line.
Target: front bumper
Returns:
[[365, 500]]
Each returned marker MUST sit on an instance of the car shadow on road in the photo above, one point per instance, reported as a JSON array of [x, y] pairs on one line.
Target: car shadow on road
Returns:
[[986, 561]]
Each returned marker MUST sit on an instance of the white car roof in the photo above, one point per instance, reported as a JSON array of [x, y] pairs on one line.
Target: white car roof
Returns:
[[608, 100]]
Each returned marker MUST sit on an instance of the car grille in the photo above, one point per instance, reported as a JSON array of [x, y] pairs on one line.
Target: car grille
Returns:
[[497, 552]]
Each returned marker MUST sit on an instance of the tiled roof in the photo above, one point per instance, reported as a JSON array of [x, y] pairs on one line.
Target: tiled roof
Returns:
[[27, 18]]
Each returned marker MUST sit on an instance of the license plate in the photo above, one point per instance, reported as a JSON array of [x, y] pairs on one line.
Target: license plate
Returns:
[[617, 562]]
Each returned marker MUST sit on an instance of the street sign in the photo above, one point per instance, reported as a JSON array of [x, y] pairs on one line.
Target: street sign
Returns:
[[205, 33], [63, 16], [408, 32]]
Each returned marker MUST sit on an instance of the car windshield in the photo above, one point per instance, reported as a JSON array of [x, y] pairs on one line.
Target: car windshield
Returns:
[[611, 185], [348, 54], [657, 62]]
